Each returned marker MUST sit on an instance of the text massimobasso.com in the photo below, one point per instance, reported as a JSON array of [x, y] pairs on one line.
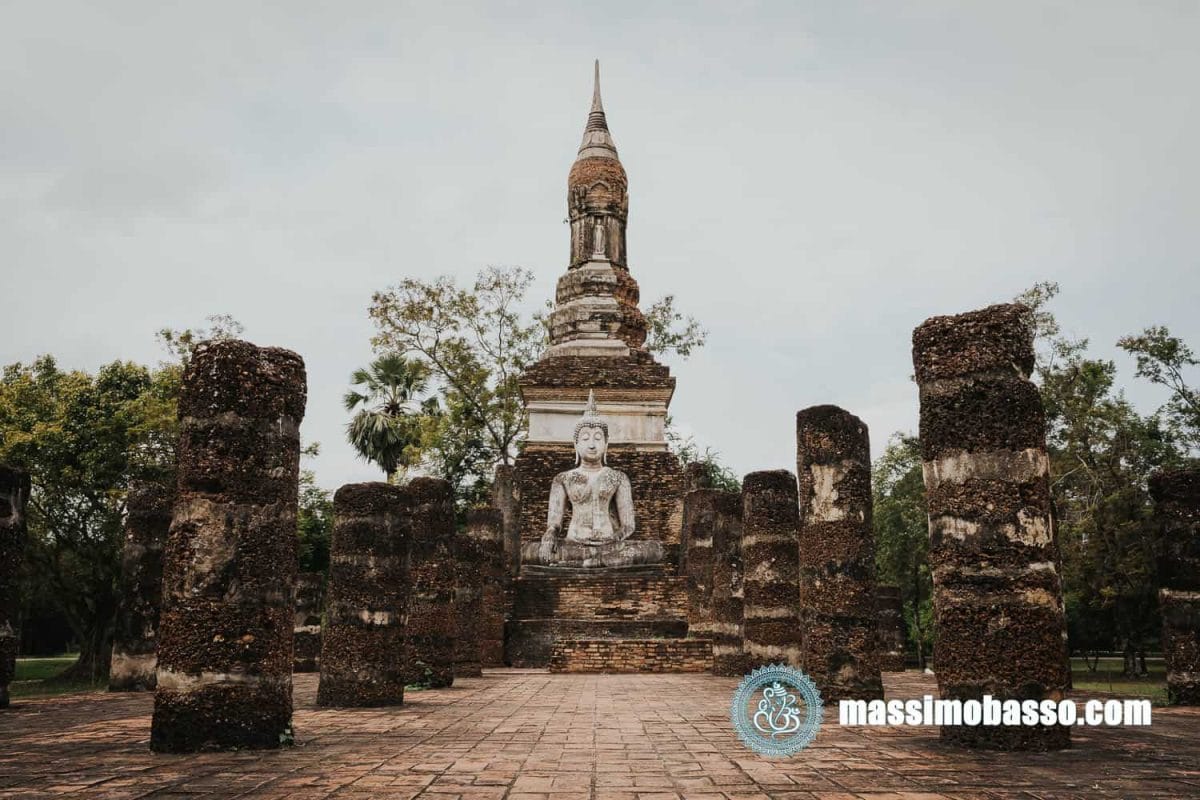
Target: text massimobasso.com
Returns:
[[991, 711]]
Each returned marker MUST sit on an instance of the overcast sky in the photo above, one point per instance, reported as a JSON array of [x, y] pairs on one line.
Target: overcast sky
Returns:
[[811, 180]]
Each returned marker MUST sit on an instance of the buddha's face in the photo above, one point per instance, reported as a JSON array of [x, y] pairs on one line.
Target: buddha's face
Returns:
[[590, 445]]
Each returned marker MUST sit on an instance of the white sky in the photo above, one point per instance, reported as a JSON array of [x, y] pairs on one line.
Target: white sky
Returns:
[[811, 180]]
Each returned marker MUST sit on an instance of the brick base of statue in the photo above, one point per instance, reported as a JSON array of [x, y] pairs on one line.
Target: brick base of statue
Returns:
[[632, 655]]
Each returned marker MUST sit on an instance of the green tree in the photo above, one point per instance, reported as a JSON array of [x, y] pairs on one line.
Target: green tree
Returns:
[[1101, 454], [1164, 360], [386, 426], [83, 438], [476, 342], [688, 452], [314, 520], [901, 530]]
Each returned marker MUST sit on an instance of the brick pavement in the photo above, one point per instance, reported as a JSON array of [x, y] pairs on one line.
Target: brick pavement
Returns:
[[528, 734]]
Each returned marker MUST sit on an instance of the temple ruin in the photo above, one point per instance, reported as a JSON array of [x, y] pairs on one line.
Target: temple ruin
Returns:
[[429, 640], [225, 629], [362, 659], [1176, 494], [148, 508], [468, 606], [993, 549], [14, 495], [485, 526], [306, 628], [771, 626]]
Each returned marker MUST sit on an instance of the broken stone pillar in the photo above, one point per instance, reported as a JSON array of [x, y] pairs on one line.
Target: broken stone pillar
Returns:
[[505, 501], [147, 520], [468, 606], [14, 496], [696, 476], [771, 560], [1176, 494], [225, 630], [837, 554], [997, 592], [431, 621], [306, 632], [485, 525], [892, 637], [728, 589], [362, 646]]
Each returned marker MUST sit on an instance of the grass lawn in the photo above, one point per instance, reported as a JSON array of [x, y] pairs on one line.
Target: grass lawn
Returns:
[[1107, 679], [38, 677]]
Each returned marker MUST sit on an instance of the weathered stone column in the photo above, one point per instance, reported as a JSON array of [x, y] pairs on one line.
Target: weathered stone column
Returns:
[[225, 630], [728, 586], [997, 593], [14, 495], [431, 622], [1176, 494], [306, 630], [771, 560], [362, 646], [699, 529], [468, 606], [505, 501], [837, 554], [485, 525], [892, 638], [147, 520]]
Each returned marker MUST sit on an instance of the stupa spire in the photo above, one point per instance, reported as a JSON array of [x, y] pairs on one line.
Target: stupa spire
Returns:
[[597, 141]]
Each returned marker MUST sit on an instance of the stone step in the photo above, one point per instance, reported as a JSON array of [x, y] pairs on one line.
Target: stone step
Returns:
[[631, 655], [602, 597]]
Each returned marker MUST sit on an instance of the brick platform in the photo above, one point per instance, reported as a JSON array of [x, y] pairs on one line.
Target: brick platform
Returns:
[[632, 655], [531, 736], [638, 603]]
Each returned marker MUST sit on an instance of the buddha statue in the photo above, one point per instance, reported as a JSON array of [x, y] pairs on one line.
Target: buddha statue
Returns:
[[601, 509]]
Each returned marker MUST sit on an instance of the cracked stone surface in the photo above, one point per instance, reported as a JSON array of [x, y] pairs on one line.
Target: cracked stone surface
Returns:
[[523, 734]]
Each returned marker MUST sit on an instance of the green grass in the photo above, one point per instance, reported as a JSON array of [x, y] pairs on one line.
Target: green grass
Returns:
[[38, 677], [1107, 679]]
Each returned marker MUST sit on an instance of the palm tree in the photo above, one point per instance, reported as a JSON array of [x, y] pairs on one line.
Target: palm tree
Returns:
[[386, 426]]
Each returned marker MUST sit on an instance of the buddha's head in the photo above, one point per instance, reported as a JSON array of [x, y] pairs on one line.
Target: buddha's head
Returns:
[[591, 435]]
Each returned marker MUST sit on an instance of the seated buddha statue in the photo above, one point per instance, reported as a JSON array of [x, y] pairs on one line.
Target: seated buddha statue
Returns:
[[601, 509]]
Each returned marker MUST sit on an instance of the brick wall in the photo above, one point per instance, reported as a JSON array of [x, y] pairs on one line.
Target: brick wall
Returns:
[[632, 655]]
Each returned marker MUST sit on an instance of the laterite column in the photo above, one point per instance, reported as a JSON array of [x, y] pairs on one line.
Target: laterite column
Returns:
[[431, 620], [485, 525], [468, 606], [362, 646], [771, 560], [997, 592], [225, 631], [892, 639], [837, 554], [728, 586], [306, 630], [699, 527], [147, 522], [1176, 494], [14, 496]]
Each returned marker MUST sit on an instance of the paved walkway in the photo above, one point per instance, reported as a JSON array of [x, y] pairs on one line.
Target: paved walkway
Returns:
[[526, 734]]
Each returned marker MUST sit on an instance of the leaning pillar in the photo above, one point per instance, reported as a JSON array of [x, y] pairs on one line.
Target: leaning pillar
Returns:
[[147, 521], [837, 554], [771, 560], [892, 638], [468, 606], [306, 627], [1176, 494], [485, 525], [14, 496], [997, 592], [362, 649], [431, 622], [225, 630]]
